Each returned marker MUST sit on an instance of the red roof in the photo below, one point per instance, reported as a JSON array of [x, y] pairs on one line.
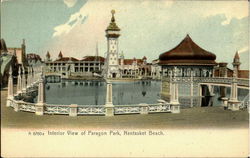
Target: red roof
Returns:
[[93, 58], [243, 74], [130, 61], [187, 52], [67, 59]]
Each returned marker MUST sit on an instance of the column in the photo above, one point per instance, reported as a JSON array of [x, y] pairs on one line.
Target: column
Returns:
[[10, 89], [174, 102], [23, 81], [73, 110], [19, 81], [28, 77], [109, 107], [233, 103], [191, 89], [41, 97], [143, 108]]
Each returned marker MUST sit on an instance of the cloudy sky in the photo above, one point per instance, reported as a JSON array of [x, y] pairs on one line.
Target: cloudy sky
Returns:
[[147, 27]]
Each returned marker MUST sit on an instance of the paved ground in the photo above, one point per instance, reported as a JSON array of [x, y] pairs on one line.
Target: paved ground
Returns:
[[197, 117]]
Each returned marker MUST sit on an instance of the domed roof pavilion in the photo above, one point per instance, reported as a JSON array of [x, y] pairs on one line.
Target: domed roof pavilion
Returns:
[[187, 53]]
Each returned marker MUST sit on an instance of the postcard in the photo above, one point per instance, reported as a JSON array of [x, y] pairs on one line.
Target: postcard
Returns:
[[116, 78]]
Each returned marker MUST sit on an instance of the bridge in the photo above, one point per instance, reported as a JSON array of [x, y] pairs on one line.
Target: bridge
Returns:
[[53, 77], [214, 81]]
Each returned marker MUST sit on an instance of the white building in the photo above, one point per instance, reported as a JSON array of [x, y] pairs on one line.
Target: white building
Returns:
[[69, 66]]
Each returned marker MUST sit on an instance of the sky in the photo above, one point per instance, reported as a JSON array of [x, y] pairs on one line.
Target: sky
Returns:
[[148, 28]]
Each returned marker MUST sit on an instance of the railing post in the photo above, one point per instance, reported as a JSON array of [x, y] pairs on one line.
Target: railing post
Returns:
[[225, 102], [19, 81], [174, 102], [73, 110], [10, 88], [109, 107], [17, 105], [143, 108], [41, 97]]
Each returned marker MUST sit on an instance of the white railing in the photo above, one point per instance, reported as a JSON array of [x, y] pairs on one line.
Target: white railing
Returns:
[[90, 110], [159, 108], [28, 107], [56, 109], [219, 80], [127, 109], [52, 109]]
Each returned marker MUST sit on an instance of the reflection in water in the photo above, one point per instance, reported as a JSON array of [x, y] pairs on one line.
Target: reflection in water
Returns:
[[94, 93]]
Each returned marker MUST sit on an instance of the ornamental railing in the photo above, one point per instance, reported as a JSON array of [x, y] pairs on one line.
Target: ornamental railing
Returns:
[[90, 110], [56, 109], [218, 80], [78, 110]]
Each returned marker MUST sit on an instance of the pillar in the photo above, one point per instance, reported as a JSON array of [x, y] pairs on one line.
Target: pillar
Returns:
[[73, 110], [19, 81], [28, 78], [23, 81], [225, 102], [174, 102], [233, 103], [10, 89], [144, 108], [109, 107], [191, 89], [41, 97]]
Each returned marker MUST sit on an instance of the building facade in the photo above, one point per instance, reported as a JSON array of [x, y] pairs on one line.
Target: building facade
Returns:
[[69, 66], [20, 53]]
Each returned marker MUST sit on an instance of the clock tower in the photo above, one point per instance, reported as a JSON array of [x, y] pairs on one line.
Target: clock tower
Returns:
[[112, 62]]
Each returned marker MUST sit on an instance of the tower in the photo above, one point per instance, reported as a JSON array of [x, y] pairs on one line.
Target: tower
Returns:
[[112, 63], [48, 56], [23, 58], [60, 55], [236, 63]]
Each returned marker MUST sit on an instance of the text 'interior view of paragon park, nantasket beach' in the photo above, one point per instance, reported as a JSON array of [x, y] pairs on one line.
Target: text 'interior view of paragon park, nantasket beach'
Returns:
[[130, 71]]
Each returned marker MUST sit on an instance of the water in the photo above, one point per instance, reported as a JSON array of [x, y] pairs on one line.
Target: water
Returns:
[[242, 93], [94, 93]]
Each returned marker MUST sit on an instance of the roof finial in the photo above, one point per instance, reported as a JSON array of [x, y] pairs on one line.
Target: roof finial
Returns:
[[236, 56], [113, 18]]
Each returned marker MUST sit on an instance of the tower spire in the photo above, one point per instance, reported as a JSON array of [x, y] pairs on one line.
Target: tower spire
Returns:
[[113, 18], [96, 53]]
